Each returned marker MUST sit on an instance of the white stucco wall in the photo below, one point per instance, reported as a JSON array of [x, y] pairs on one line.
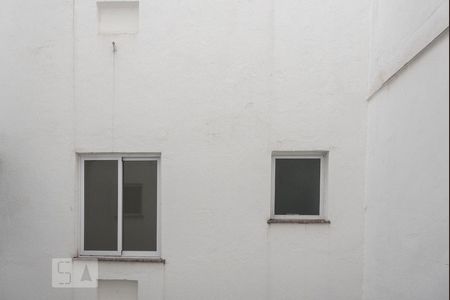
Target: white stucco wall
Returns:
[[36, 145], [400, 30], [215, 86], [406, 240]]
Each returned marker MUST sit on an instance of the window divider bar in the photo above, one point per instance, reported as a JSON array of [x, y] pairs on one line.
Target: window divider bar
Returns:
[[81, 212], [120, 204]]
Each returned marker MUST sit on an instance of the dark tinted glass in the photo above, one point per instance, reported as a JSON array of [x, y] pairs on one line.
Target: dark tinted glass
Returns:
[[297, 187], [100, 205], [139, 205]]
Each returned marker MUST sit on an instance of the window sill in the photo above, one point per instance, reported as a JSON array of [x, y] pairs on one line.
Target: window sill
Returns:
[[156, 260], [298, 221]]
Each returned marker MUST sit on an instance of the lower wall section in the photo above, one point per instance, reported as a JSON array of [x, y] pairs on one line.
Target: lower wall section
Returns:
[[406, 254]]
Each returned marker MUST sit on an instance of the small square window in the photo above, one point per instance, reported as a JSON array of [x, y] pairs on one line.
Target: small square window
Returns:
[[298, 185], [119, 208]]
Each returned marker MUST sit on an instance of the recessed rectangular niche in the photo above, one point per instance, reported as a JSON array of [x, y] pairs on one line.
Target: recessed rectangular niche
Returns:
[[117, 290], [118, 17]]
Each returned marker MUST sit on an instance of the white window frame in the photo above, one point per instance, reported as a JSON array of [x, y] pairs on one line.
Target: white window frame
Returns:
[[120, 159], [323, 156]]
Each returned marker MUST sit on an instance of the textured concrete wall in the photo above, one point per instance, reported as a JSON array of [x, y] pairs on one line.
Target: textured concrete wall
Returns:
[[406, 239]]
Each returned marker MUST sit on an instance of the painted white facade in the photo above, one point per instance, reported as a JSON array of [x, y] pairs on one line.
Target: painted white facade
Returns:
[[399, 31], [407, 217], [215, 87]]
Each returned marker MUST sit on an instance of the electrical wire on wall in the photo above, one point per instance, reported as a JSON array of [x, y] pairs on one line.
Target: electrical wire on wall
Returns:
[[114, 51]]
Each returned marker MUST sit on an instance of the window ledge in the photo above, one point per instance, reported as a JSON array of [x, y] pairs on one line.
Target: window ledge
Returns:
[[156, 260], [298, 221]]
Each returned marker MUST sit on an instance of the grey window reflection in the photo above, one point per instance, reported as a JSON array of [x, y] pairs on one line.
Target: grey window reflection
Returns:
[[297, 186], [100, 206], [139, 205]]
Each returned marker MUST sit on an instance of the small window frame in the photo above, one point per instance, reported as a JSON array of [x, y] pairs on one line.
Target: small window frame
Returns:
[[323, 156], [120, 159]]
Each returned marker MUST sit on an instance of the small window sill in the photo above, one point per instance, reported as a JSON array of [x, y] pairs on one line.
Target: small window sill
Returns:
[[298, 221], [156, 260]]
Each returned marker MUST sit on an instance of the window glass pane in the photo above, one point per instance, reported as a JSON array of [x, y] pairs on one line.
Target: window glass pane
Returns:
[[100, 205], [297, 187], [139, 205]]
